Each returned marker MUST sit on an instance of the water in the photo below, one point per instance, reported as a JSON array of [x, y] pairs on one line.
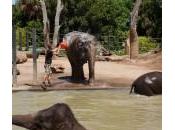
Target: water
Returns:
[[97, 109]]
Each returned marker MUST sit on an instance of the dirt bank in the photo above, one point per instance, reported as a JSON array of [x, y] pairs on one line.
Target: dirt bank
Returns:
[[107, 74]]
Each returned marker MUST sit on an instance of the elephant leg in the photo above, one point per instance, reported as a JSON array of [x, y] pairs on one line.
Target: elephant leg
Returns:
[[77, 68], [91, 64], [77, 72]]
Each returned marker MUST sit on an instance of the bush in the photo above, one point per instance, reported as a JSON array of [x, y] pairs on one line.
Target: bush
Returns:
[[23, 32], [39, 31], [146, 44], [120, 52]]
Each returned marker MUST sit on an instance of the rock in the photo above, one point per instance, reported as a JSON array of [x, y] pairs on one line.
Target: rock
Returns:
[[57, 68], [21, 57], [30, 55], [17, 72], [101, 51], [42, 51]]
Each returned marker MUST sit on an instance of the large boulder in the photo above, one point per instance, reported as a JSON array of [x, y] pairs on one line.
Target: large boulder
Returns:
[[21, 57], [57, 68], [30, 54]]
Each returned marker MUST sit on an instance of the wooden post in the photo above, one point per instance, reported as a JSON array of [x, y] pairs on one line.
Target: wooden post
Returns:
[[20, 41], [34, 55], [27, 41], [14, 67]]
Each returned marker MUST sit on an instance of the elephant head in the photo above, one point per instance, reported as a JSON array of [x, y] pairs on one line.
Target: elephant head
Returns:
[[82, 49], [56, 117], [148, 84]]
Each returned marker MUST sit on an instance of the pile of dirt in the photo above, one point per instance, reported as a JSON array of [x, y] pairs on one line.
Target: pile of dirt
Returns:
[[151, 59]]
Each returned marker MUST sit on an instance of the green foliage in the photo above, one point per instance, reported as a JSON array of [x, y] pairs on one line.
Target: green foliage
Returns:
[[108, 20], [146, 44], [150, 18], [22, 30], [119, 52], [96, 16], [39, 28]]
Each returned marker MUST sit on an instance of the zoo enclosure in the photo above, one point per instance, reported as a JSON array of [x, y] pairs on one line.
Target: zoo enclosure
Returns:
[[32, 40]]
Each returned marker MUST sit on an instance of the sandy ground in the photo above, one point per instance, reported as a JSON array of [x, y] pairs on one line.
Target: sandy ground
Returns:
[[107, 74]]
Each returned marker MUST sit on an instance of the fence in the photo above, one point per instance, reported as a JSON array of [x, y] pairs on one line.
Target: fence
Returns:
[[20, 48], [109, 41]]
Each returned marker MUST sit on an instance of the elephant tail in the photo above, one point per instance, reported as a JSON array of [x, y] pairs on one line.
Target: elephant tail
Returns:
[[131, 88]]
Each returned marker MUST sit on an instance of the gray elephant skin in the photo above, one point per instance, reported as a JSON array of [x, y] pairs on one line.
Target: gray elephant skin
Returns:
[[148, 84], [56, 117], [82, 49]]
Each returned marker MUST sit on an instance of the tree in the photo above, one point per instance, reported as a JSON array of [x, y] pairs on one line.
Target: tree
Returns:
[[150, 19], [57, 20], [133, 37], [46, 23]]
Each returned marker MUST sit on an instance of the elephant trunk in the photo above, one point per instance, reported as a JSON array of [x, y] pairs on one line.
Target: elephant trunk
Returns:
[[25, 121]]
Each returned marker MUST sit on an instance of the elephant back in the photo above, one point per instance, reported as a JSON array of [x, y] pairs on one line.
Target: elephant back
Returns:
[[83, 37], [148, 84]]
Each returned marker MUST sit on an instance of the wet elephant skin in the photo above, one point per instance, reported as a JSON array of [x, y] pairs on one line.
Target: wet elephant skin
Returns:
[[56, 117], [148, 84], [79, 53]]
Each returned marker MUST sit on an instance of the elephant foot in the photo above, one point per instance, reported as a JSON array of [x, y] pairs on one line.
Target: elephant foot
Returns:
[[79, 79], [91, 82]]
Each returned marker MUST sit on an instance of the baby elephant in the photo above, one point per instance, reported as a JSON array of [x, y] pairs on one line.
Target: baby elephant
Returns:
[[56, 117], [148, 84]]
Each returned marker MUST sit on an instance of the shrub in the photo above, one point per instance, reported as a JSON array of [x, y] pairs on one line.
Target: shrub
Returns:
[[23, 32], [146, 44]]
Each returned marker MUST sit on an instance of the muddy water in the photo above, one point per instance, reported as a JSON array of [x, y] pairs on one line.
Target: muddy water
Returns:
[[97, 109]]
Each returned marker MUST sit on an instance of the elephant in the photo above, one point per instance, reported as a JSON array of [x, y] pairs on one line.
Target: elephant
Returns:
[[148, 84], [57, 117], [81, 49]]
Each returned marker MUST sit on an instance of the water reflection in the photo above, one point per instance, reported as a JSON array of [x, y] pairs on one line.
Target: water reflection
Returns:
[[97, 109]]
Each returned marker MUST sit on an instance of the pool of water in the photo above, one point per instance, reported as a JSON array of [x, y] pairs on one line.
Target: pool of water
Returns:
[[97, 109]]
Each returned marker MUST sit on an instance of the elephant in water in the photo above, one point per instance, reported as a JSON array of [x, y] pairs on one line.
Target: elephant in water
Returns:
[[56, 117], [81, 48], [148, 84]]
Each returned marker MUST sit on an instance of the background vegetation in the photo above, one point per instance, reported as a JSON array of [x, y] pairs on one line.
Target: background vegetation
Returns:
[[108, 20]]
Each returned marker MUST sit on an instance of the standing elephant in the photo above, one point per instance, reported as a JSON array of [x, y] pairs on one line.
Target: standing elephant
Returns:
[[81, 48], [56, 117], [148, 84]]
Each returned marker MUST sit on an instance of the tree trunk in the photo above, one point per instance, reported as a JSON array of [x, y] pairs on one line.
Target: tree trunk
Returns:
[[134, 46], [46, 23], [57, 19], [127, 45]]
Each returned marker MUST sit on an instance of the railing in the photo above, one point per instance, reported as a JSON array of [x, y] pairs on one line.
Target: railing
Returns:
[[110, 42]]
